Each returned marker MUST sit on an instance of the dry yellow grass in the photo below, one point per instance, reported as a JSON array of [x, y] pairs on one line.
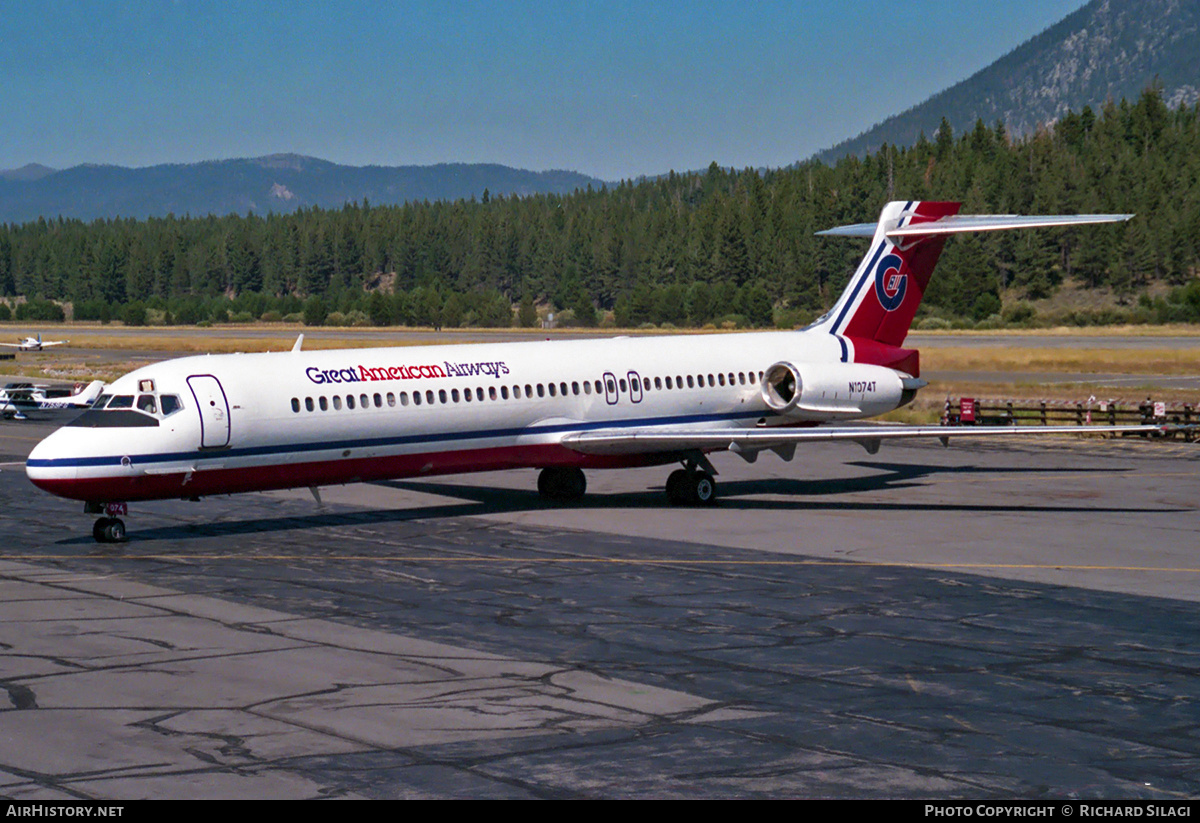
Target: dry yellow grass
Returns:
[[1162, 361]]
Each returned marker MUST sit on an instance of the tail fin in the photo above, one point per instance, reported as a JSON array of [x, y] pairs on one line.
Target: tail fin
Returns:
[[882, 298]]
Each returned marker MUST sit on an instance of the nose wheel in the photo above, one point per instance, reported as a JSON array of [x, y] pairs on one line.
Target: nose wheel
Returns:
[[109, 530]]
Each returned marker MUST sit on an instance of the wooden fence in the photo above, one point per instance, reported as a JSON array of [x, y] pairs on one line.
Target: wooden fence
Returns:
[[1182, 418]]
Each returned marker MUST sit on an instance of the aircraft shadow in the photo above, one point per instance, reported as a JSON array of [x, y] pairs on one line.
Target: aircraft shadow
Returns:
[[786, 494]]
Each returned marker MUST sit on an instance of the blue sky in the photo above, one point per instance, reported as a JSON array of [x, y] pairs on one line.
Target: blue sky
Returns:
[[613, 89]]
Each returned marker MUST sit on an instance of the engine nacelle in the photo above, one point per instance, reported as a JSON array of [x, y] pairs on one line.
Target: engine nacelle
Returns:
[[829, 391]]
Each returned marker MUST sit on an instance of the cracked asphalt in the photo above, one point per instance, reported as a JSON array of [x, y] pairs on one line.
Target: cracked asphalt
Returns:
[[994, 622]]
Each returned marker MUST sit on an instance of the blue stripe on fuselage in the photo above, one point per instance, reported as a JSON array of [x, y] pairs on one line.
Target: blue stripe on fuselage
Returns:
[[375, 442]]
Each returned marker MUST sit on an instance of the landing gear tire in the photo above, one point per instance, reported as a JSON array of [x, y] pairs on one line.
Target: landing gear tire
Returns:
[[109, 530], [691, 488], [561, 483]]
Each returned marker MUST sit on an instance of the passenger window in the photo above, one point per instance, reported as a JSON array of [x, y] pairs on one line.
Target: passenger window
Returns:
[[337, 401], [721, 379], [379, 400], [146, 403], [646, 383], [504, 392], [562, 389], [454, 395], [612, 387], [541, 390], [742, 378], [467, 395], [441, 395], [587, 387], [491, 392], [529, 391], [295, 404], [599, 387], [349, 401], [691, 383], [574, 387], [323, 403], [169, 403], [622, 384], [658, 383], [669, 382], [416, 398], [516, 392], [551, 389], [403, 399], [429, 396], [308, 404]]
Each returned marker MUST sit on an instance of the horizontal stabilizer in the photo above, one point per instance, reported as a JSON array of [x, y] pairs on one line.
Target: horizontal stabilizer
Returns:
[[957, 223], [999, 222]]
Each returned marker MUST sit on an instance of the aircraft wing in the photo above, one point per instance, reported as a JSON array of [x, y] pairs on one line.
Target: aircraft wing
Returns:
[[13, 345], [747, 442], [46, 343]]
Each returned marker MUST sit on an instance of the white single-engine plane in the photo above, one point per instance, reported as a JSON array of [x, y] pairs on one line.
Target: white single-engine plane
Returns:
[[35, 343], [220, 424]]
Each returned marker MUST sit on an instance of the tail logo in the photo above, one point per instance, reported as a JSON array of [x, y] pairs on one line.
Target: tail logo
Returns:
[[890, 282]]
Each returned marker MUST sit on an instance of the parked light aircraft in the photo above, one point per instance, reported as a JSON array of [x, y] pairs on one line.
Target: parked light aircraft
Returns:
[[208, 425], [35, 343], [18, 398]]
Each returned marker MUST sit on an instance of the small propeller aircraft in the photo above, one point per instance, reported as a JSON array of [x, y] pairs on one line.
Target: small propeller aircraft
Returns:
[[34, 343]]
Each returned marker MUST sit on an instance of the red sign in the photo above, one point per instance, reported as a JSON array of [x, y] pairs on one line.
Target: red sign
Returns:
[[966, 410]]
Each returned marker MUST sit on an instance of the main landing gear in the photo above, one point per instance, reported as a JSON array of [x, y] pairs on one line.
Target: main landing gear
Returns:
[[562, 483], [691, 487], [109, 530]]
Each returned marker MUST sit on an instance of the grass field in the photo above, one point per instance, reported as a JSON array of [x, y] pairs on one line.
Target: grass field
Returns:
[[106, 353]]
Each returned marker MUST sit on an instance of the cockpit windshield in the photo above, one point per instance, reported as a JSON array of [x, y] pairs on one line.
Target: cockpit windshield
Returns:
[[123, 410]]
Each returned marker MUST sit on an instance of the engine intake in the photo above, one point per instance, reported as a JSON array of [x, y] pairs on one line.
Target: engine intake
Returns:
[[826, 391]]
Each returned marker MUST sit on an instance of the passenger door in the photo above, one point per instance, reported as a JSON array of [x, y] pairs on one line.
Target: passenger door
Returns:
[[214, 410]]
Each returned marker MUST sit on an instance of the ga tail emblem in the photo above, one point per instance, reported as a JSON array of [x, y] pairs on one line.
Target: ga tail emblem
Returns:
[[890, 282]]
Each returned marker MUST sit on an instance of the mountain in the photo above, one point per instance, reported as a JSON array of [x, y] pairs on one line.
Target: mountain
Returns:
[[276, 183], [30, 171], [1107, 50]]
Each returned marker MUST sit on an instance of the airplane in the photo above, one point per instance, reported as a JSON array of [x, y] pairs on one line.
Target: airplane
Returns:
[[221, 424], [18, 398], [34, 343]]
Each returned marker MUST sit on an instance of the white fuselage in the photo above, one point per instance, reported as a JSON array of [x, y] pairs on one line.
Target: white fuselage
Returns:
[[244, 422]]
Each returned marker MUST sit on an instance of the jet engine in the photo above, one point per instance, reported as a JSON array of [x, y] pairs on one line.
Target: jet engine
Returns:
[[829, 391]]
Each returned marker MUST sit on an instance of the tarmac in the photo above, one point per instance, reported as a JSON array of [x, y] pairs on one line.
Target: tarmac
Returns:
[[1017, 620]]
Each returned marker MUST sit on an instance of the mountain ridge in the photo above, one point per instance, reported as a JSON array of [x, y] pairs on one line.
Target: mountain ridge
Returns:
[[1106, 50], [282, 182]]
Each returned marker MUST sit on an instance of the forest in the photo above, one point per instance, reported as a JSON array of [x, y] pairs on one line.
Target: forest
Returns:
[[720, 247]]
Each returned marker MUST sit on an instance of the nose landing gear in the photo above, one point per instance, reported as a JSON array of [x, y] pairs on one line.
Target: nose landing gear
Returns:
[[109, 530]]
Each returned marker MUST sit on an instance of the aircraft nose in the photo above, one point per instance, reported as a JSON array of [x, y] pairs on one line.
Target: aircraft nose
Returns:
[[46, 466]]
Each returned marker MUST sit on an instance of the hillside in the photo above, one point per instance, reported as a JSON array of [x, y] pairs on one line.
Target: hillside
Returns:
[[1107, 50], [276, 183]]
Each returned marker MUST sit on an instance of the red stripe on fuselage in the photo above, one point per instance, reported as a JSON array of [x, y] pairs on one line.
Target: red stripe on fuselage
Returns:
[[207, 482]]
